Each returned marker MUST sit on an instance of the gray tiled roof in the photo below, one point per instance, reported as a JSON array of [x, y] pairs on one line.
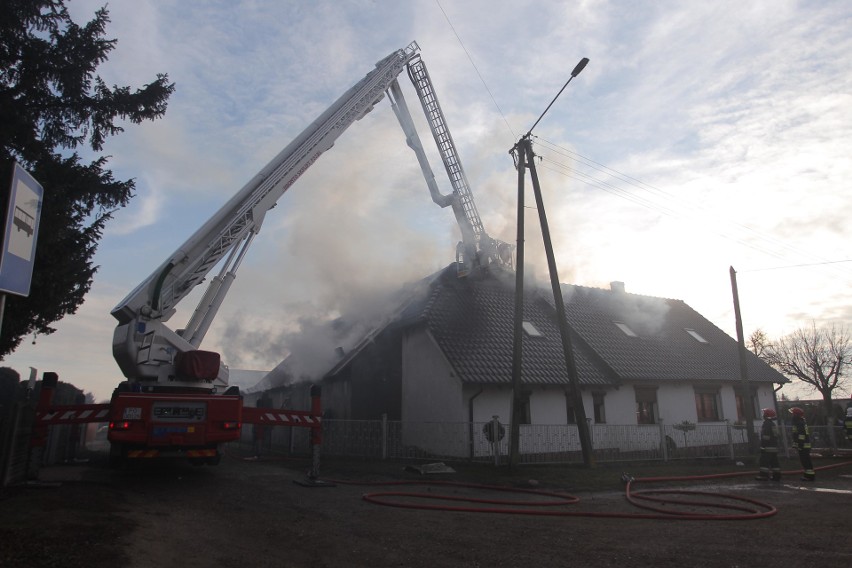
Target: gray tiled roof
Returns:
[[472, 321], [663, 350]]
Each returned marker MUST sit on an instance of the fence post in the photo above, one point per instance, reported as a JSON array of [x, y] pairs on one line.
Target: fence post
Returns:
[[730, 431], [384, 436], [316, 430], [495, 439], [663, 445]]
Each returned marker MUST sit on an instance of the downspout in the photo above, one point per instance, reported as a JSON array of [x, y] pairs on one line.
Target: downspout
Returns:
[[470, 421]]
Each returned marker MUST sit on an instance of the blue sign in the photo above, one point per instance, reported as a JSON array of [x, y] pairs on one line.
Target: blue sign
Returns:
[[19, 242]]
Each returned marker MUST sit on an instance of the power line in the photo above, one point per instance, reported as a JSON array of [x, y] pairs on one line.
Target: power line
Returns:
[[475, 68], [797, 265], [674, 206]]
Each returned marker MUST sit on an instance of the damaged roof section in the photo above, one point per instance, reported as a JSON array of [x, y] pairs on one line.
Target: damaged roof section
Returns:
[[616, 336], [472, 320]]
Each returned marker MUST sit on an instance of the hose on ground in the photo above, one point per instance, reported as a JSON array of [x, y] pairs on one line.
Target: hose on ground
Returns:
[[661, 504]]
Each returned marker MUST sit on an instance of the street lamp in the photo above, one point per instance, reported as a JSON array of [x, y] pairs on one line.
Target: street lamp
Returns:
[[525, 159]]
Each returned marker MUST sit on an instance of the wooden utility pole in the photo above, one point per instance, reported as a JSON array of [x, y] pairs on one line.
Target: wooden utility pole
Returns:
[[564, 332], [748, 404], [518, 343], [525, 159]]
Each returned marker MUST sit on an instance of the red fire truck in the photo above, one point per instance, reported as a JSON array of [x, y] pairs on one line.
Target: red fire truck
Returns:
[[176, 399]]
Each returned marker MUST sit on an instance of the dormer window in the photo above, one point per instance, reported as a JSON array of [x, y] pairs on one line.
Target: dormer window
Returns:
[[695, 335], [531, 330], [625, 328]]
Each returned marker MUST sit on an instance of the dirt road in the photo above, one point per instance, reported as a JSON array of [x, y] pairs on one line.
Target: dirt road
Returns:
[[245, 513]]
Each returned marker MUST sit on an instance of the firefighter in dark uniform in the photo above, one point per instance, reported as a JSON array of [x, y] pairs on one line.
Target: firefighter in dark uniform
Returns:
[[770, 468], [802, 441]]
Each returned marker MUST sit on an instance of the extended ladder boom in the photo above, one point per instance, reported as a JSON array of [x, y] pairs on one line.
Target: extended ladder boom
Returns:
[[476, 249], [142, 346]]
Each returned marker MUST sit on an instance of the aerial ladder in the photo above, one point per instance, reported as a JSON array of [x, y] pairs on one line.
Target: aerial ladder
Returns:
[[176, 399]]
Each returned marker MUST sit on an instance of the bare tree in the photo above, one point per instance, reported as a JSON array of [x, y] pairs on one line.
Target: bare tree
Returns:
[[816, 357], [758, 343]]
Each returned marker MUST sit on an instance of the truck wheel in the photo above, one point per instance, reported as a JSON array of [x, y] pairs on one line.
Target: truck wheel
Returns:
[[215, 459]]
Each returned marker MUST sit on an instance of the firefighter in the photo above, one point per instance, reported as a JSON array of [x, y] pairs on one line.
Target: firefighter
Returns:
[[769, 465], [802, 441]]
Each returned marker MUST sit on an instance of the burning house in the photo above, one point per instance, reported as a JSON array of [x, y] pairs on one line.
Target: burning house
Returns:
[[446, 356]]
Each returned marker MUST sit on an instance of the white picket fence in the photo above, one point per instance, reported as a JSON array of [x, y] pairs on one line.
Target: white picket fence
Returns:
[[539, 443]]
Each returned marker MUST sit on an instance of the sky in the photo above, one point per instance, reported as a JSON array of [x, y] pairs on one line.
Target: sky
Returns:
[[701, 136]]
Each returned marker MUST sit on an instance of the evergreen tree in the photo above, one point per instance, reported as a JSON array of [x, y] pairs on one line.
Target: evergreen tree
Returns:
[[51, 103]]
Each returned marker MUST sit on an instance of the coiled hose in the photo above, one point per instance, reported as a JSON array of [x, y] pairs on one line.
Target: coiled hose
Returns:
[[661, 504]]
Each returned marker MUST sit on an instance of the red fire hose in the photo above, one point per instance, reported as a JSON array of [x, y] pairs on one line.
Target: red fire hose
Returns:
[[666, 504]]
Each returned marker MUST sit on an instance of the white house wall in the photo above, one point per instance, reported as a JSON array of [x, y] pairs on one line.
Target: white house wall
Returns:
[[676, 403], [620, 406], [491, 401], [430, 390], [549, 406]]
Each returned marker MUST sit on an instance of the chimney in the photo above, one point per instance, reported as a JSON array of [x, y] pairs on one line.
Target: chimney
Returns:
[[340, 352], [617, 287]]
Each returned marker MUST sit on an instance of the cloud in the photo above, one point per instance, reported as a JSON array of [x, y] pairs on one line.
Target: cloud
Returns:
[[728, 121]]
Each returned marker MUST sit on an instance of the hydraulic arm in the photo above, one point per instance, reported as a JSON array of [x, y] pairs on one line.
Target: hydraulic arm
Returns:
[[143, 346], [149, 351]]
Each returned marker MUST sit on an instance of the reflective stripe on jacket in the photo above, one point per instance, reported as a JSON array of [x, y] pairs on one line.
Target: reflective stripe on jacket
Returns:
[[801, 435]]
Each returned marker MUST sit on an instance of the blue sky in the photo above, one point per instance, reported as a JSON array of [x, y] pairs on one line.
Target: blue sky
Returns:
[[700, 136]]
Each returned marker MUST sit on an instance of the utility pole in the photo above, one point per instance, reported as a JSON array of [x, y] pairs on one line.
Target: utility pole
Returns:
[[525, 160], [518, 342], [748, 405]]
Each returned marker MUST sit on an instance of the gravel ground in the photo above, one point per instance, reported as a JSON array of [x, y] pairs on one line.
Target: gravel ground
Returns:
[[255, 513]]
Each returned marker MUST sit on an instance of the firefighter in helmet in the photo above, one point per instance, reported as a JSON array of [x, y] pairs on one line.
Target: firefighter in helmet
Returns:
[[802, 441], [770, 468]]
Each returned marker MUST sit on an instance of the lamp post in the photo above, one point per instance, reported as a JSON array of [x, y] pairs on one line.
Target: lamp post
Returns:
[[526, 160]]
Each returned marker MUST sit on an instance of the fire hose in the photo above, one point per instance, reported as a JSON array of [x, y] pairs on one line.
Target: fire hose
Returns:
[[660, 504]]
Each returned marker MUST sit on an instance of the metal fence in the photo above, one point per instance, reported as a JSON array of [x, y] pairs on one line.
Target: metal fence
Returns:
[[539, 443]]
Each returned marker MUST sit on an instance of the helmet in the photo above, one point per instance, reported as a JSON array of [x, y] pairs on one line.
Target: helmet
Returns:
[[769, 414], [796, 411]]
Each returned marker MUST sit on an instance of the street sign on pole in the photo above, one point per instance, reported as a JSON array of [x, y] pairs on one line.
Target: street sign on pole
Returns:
[[23, 212]]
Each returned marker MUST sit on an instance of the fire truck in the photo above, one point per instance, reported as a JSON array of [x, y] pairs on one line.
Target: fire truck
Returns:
[[176, 399]]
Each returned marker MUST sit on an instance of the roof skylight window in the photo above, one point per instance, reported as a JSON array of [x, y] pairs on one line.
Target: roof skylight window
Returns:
[[695, 335], [531, 330], [625, 328]]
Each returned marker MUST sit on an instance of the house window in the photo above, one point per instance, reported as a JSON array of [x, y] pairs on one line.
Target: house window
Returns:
[[531, 330], [707, 405], [572, 416], [741, 406], [646, 405], [695, 335], [570, 412], [625, 328], [524, 411], [600, 412]]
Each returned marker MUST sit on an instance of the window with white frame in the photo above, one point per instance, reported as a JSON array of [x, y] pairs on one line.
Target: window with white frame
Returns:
[[646, 405], [625, 328], [599, 408], [707, 404], [695, 335]]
